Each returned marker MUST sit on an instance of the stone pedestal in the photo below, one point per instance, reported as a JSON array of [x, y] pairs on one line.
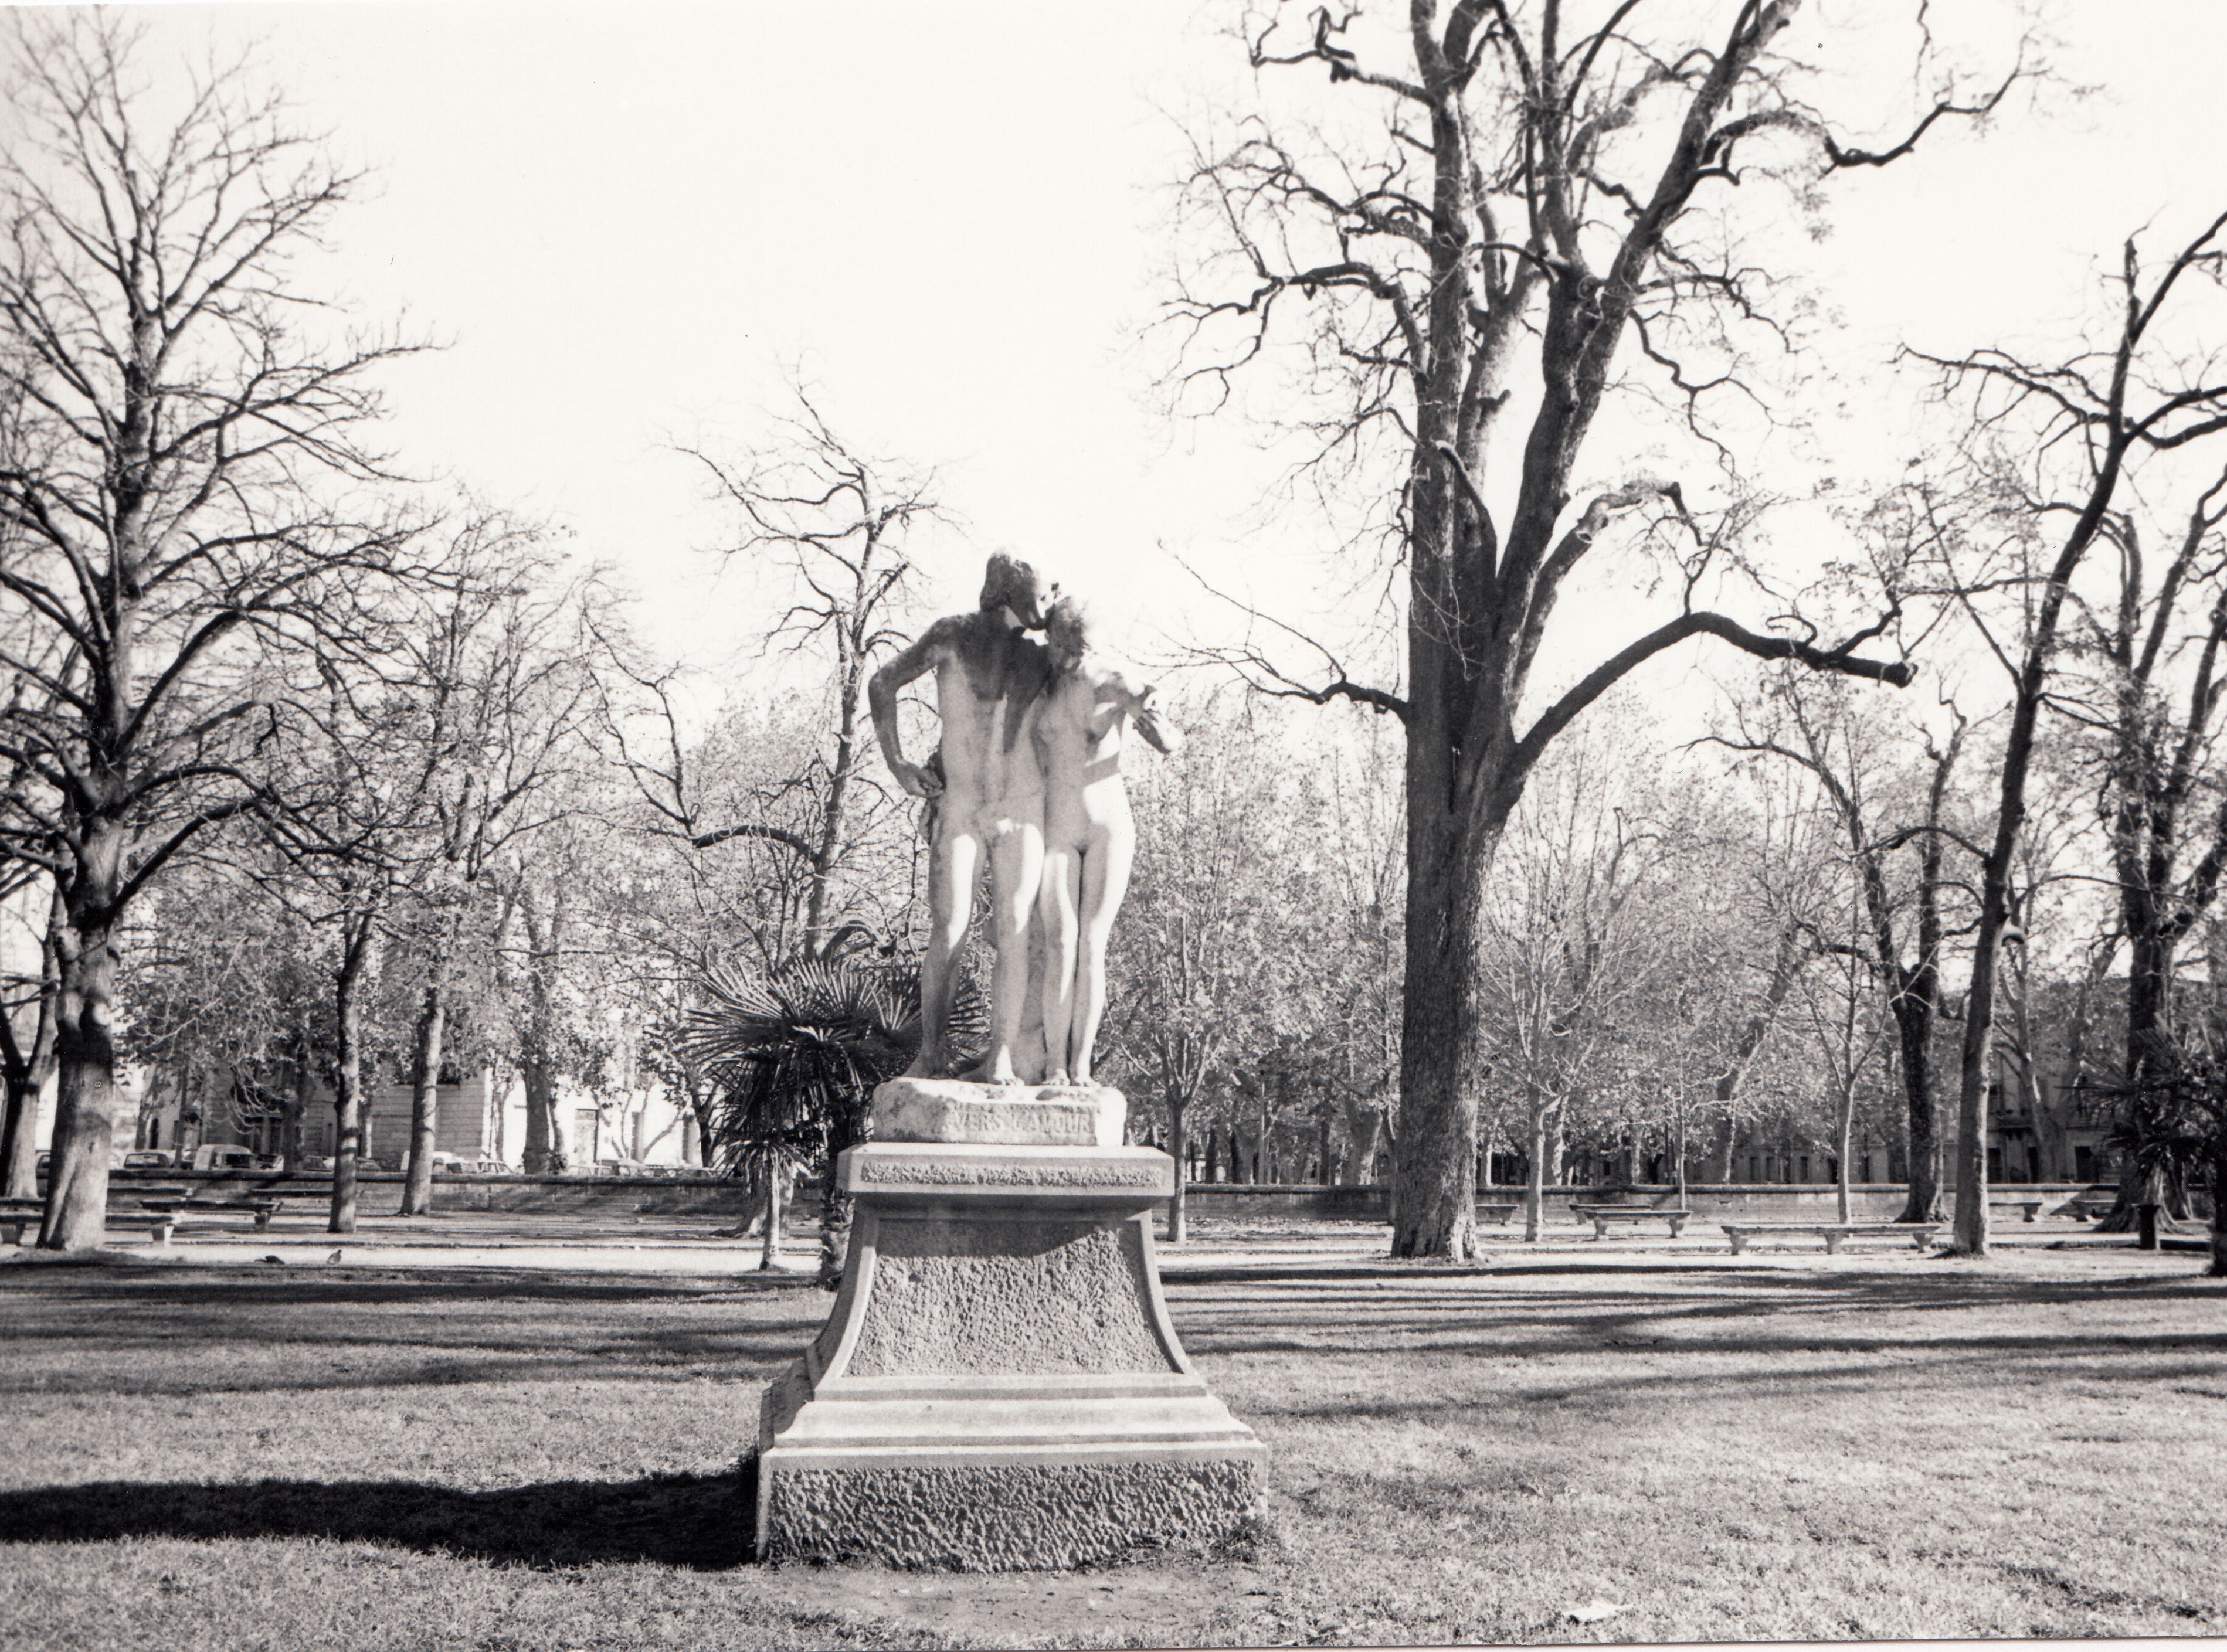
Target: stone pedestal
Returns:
[[998, 1385], [1014, 1115]]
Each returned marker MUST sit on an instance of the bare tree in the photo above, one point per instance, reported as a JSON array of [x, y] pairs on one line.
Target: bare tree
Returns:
[[842, 521], [176, 406], [1536, 180], [1845, 1036], [348, 816], [501, 699], [2061, 440], [2151, 713], [1902, 937], [1565, 948]]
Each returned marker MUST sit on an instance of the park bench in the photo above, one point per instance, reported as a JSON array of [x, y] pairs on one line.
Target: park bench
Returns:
[[18, 1215], [1601, 1215], [262, 1207], [1834, 1233], [2093, 1204], [1499, 1213], [2032, 1207]]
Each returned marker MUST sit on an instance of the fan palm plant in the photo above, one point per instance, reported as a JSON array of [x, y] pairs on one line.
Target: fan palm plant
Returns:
[[2171, 1133], [792, 1058]]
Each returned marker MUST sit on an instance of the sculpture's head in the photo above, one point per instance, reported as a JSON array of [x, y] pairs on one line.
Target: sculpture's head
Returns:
[[1009, 583], [1066, 632]]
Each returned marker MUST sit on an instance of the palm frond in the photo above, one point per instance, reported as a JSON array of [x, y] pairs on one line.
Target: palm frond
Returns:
[[794, 1056]]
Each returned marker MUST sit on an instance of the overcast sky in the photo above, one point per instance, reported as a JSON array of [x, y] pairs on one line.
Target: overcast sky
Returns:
[[626, 219]]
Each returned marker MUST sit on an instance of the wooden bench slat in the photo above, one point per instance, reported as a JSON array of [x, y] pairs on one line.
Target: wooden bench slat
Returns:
[[1601, 1215], [1833, 1233], [159, 1224]]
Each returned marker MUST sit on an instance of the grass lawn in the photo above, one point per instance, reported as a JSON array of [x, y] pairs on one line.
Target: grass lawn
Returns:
[[1875, 1446]]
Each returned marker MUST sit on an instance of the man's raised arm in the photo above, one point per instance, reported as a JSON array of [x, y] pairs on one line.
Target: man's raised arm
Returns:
[[882, 699]]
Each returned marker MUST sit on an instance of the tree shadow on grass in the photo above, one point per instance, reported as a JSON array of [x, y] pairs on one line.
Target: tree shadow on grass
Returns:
[[702, 1521], [239, 1288]]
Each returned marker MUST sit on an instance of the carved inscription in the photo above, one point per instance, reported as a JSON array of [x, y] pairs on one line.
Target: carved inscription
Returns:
[[983, 1120], [1064, 1176]]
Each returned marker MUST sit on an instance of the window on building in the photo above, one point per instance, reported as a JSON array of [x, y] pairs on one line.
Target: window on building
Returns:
[[1805, 1169], [1754, 1168], [1994, 1164], [2083, 1164]]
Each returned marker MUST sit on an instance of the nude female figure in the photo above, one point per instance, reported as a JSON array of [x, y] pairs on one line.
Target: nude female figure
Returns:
[[990, 681], [1089, 835]]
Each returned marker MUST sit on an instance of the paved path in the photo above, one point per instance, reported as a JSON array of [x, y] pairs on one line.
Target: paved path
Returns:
[[701, 1244]]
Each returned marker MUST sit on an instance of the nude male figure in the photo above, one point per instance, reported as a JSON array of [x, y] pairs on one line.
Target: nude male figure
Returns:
[[1089, 834], [990, 681]]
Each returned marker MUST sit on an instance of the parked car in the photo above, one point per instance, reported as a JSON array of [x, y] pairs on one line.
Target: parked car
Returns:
[[485, 1167], [222, 1156], [313, 1162], [148, 1159], [621, 1167]]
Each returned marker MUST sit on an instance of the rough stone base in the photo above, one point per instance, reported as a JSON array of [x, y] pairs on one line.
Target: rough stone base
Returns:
[[997, 1517], [951, 1110], [998, 1385]]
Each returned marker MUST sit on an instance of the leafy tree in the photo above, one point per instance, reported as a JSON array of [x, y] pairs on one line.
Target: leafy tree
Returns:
[[1211, 958]]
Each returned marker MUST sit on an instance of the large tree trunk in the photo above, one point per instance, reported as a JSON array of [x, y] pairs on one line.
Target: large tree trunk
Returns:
[[1441, 1069], [1534, 1183], [1720, 1154], [347, 1078], [87, 1099], [30, 1065], [425, 1096], [295, 1107], [19, 1133], [1847, 1167], [1976, 1065], [1913, 1007], [2220, 1197], [1361, 1126], [2149, 1070], [1179, 1144], [770, 1257], [545, 1133]]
